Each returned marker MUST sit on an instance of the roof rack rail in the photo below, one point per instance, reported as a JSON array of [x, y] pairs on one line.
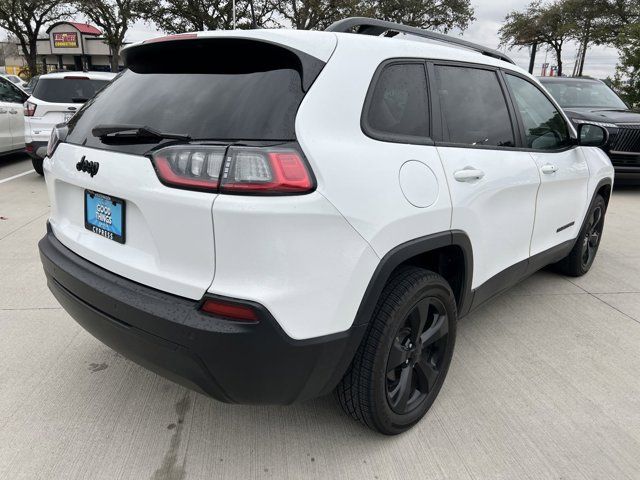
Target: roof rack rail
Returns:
[[372, 26]]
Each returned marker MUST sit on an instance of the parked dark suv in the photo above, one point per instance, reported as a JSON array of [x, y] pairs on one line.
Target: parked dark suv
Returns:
[[589, 100]]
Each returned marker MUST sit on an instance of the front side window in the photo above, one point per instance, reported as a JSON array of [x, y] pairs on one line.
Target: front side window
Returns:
[[472, 107], [544, 126], [399, 106]]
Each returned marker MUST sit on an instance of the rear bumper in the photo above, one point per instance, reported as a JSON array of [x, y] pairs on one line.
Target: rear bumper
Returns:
[[36, 149], [229, 361]]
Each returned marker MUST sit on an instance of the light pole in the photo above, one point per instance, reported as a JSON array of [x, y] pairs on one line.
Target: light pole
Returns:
[[234, 14]]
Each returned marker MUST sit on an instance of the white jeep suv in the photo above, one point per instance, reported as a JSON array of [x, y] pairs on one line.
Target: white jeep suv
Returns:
[[272, 215]]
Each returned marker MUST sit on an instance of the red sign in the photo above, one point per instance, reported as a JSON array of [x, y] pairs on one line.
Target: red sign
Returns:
[[65, 40]]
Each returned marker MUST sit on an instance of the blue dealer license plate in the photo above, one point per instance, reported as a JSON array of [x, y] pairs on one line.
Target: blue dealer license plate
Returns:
[[104, 215]]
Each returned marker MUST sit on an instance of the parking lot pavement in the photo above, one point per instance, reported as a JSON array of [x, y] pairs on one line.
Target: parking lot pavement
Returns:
[[544, 384]]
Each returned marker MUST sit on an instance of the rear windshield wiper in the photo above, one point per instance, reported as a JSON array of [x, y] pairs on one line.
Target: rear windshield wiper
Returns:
[[123, 131]]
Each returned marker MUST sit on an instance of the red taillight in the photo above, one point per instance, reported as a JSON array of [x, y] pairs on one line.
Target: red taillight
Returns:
[[263, 171], [190, 166], [250, 170], [29, 109], [232, 311]]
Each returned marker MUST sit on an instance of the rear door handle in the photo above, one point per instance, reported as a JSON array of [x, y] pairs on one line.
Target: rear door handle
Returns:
[[548, 169], [13, 111], [468, 174]]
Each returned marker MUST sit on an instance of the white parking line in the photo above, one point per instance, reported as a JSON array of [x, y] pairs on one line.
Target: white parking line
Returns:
[[17, 176]]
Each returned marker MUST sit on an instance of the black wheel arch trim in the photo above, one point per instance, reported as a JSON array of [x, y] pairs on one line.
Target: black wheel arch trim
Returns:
[[405, 251]]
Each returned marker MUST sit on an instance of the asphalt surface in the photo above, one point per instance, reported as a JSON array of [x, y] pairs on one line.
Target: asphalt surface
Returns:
[[545, 383]]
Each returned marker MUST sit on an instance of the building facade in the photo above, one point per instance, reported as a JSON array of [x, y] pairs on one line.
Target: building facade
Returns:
[[67, 46], [73, 46]]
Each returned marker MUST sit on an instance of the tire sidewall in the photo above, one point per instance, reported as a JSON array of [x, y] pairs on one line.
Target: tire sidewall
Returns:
[[389, 421], [599, 202]]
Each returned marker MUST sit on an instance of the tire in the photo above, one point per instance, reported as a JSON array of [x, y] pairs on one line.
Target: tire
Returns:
[[37, 165], [396, 374], [584, 251]]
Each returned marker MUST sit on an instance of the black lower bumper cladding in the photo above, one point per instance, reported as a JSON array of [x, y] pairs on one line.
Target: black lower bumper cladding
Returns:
[[230, 361]]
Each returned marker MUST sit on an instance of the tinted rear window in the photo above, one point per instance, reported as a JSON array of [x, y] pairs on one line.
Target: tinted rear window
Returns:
[[244, 91], [67, 90], [473, 107], [399, 107]]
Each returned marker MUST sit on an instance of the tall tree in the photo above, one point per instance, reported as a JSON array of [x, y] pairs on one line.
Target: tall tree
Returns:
[[26, 20], [539, 24], [113, 17], [432, 14], [521, 30], [315, 14], [178, 16], [587, 20], [623, 32], [627, 79]]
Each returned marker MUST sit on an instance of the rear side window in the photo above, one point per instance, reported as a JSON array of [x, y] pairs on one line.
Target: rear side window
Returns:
[[9, 92], [67, 90], [473, 107], [398, 105], [544, 127], [244, 91]]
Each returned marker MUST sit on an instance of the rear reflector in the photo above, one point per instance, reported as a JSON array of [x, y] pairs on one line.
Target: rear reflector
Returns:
[[232, 311], [239, 170]]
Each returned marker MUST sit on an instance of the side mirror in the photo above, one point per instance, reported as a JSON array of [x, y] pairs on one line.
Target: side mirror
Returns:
[[590, 135]]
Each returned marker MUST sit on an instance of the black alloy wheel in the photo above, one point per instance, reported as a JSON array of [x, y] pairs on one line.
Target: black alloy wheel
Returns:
[[417, 354], [584, 250], [592, 235], [404, 356]]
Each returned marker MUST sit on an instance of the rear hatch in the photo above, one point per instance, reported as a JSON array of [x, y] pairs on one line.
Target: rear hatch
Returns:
[[134, 178], [58, 98]]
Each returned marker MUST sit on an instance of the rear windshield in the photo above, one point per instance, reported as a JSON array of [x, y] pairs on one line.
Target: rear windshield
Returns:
[[236, 94], [67, 90]]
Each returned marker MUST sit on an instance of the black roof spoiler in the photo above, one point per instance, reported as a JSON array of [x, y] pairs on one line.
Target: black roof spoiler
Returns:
[[372, 26]]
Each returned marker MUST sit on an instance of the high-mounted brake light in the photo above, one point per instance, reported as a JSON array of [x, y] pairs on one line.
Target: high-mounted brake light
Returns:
[[239, 170], [29, 109], [232, 311], [168, 38], [75, 77]]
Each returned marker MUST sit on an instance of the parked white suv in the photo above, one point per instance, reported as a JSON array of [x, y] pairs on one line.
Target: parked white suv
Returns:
[[267, 216], [11, 118], [55, 98]]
